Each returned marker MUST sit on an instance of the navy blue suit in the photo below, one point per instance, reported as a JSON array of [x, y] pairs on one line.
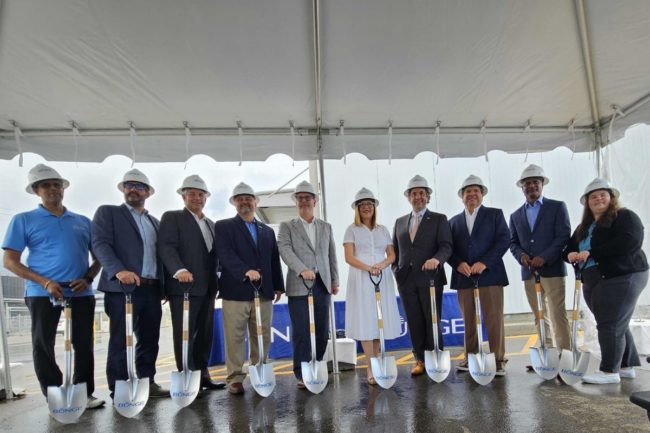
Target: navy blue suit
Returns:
[[547, 239], [118, 245], [487, 244], [238, 253]]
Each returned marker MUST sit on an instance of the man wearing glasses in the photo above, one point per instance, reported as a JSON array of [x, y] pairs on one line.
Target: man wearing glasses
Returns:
[[307, 247], [124, 241], [57, 267]]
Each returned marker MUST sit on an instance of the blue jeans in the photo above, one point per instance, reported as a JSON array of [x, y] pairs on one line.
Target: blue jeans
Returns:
[[299, 313]]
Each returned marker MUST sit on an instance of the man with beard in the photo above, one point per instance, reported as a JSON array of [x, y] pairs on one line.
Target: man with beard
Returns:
[[307, 247], [422, 242], [56, 268], [539, 231], [247, 252], [186, 246], [124, 240]]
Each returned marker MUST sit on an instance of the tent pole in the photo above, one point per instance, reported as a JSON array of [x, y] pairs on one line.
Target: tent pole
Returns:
[[586, 58], [6, 370]]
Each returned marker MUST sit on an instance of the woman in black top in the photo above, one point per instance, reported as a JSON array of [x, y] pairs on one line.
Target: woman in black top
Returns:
[[607, 245]]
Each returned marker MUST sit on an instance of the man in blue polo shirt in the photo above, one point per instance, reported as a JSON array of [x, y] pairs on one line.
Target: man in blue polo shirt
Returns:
[[57, 267]]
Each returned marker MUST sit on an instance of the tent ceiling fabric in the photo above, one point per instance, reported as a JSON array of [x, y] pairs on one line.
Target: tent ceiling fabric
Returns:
[[414, 62]]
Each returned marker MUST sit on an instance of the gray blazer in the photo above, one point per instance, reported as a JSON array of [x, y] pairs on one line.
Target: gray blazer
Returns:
[[298, 254]]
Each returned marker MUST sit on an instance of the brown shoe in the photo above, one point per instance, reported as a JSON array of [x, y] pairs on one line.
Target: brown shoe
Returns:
[[418, 368], [235, 388]]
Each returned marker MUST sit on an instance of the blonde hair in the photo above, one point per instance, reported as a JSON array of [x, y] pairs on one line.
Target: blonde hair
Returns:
[[373, 219]]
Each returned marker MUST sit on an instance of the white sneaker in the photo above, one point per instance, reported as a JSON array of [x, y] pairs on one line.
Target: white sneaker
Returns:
[[600, 378], [627, 372], [94, 402]]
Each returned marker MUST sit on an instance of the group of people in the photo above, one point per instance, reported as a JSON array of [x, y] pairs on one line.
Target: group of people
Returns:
[[186, 252]]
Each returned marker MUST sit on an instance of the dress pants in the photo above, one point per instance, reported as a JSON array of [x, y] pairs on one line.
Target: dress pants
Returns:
[[200, 338], [417, 307], [237, 317], [45, 318], [491, 298], [612, 301], [147, 313], [553, 293], [300, 338]]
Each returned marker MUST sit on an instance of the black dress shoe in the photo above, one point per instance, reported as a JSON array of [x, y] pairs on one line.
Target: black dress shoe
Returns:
[[157, 391], [208, 383]]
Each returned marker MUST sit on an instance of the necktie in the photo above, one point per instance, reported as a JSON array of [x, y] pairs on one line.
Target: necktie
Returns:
[[414, 227]]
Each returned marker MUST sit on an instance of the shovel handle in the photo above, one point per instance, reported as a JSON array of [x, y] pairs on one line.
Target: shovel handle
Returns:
[[309, 287], [376, 280]]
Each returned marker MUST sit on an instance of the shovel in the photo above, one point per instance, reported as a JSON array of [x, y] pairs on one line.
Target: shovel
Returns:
[[67, 402], [482, 365], [384, 368], [314, 372], [574, 363], [437, 362], [262, 376], [185, 385], [544, 360], [130, 395]]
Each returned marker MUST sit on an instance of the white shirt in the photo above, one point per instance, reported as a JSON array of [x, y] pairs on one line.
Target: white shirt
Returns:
[[470, 218], [310, 228], [205, 230]]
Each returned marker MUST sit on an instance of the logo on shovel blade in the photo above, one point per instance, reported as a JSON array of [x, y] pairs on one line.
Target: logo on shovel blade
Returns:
[[481, 374], [315, 382], [264, 385], [572, 373], [548, 369], [67, 409], [130, 404], [437, 370], [385, 377], [183, 394]]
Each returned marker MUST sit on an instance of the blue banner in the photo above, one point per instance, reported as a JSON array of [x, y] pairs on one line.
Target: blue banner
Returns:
[[452, 324]]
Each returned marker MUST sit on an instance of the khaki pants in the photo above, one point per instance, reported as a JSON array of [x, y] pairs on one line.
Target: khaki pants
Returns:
[[553, 291], [237, 316], [491, 298]]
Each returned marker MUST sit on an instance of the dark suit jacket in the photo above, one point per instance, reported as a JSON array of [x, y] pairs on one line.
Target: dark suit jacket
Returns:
[[238, 254], [181, 245], [118, 246], [547, 239], [615, 247], [487, 244], [433, 239]]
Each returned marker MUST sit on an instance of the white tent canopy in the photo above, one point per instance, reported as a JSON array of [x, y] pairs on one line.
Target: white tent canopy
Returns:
[[524, 69]]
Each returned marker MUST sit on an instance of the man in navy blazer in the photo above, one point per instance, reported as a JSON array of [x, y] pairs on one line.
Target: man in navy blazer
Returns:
[[540, 229], [481, 238], [186, 246], [124, 241], [247, 251]]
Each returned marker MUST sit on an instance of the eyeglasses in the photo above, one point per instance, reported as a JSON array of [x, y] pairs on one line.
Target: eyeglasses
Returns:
[[136, 186], [49, 184], [365, 204]]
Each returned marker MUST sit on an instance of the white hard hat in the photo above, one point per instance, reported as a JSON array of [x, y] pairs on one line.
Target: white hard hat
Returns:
[[241, 189], [471, 181], [303, 186], [364, 194], [532, 171], [135, 175], [43, 172], [595, 185], [417, 182], [195, 182]]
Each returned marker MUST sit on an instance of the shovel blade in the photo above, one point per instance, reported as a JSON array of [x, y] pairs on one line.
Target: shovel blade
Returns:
[[131, 396], [67, 405], [438, 364], [181, 394], [384, 369], [573, 366], [262, 378], [545, 362], [482, 367], [314, 375]]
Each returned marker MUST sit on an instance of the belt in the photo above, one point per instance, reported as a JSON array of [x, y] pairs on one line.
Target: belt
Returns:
[[148, 281]]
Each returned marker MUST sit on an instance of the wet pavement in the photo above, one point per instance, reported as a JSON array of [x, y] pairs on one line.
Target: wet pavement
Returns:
[[518, 402]]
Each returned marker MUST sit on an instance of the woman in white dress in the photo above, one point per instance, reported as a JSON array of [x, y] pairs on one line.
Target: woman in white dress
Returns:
[[369, 248]]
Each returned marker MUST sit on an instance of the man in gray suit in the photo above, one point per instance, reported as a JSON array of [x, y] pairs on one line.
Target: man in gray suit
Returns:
[[422, 241], [307, 247]]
